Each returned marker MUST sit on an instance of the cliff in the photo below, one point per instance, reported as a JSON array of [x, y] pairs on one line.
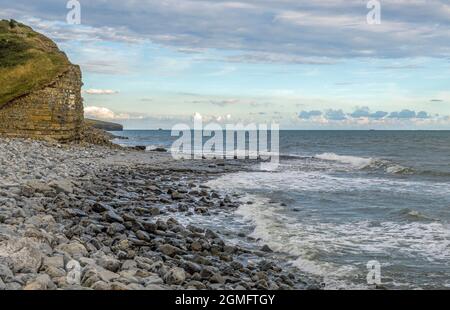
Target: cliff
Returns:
[[108, 126], [40, 90]]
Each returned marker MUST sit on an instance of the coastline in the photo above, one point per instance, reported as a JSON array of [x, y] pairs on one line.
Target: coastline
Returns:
[[116, 213]]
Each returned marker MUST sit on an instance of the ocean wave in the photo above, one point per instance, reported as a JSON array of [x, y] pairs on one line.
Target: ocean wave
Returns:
[[358, 162], [414, 215], [366, 163], [320, 248]]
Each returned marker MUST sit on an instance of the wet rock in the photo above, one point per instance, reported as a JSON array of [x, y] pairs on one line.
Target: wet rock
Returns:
[[101, 207], [266, 249], [112, 217], [177, 196]]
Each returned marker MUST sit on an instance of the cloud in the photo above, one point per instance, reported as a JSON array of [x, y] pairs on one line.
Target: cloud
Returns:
[[422, 114], [93, 91], [335, 115], [309, 114], [379, 114], [222, 103], [363, 116], [365, 112], [404, 114], [436, 100], [361, 112], [288, 31], [103, 113]]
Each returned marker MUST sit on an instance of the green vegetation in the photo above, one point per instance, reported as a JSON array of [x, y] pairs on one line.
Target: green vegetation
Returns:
[[28, 61], [108, 126]]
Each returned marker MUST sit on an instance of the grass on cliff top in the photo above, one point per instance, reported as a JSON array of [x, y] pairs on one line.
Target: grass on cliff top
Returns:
[[28, 61]]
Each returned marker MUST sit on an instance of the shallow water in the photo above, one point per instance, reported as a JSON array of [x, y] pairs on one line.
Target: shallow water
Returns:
[[343, 198]]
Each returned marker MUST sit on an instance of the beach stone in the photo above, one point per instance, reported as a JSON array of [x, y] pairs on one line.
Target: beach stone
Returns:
[[21, 255], [154, 287], [217, 278], [101, 207], [74, 249], [177, 196], [142, 235], [33, 186], [109, 263], [149, 227], [5, 273], [101, 286], [62, 186], [13, 286], [154, 279], [94, 273], [196, 246], [129, 264], [54, 261], [169, 250], [197, 285], [266, 249], [117, 286], [55, 272], [175, 276], [112, 216], [42, 282]]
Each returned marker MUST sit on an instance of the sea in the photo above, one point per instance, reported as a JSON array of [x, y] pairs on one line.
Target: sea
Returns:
[[341, 200]]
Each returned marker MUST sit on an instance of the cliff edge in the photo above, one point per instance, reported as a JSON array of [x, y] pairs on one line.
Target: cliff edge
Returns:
[[40, 89]]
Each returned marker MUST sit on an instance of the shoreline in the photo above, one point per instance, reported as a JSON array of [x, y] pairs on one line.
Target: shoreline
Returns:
[[116, 213]]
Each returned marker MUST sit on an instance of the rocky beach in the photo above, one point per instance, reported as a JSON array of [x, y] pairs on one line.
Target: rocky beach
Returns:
[[107, 218]]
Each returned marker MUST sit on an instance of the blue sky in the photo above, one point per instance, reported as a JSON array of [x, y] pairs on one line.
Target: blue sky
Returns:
[[303, 64]]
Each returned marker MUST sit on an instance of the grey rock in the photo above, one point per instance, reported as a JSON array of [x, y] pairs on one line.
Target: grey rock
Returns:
[[54, 261], [109, 263], [42, 282], [154, 279], [74, 249], [112, 217], [5, 273], [175, 276], [21, 255], [169, 250], [62, 186]]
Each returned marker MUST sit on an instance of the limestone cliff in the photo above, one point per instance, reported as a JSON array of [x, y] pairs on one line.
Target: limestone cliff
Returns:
[[40, 90]]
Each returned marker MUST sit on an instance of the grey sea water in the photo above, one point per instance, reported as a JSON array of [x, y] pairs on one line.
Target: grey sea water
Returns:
[[343, 198]]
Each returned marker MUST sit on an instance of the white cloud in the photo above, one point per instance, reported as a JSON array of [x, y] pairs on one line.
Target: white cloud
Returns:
[[104, 114], [94, 91]]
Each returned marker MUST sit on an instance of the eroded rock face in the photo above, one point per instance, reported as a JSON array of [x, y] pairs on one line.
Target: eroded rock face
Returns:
[[54, 112]]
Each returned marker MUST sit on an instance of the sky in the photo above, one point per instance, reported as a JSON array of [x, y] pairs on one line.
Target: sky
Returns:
[[302, 64]]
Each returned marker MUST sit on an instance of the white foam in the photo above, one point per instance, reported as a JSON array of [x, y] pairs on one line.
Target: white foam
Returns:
[[358, 162], [310, 240]]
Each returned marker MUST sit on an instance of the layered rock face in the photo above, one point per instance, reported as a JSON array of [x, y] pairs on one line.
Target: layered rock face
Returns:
[[55, 111], [40, 89]]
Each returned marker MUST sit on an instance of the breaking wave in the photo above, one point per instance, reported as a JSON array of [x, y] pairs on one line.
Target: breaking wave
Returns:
[[366, 163]]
